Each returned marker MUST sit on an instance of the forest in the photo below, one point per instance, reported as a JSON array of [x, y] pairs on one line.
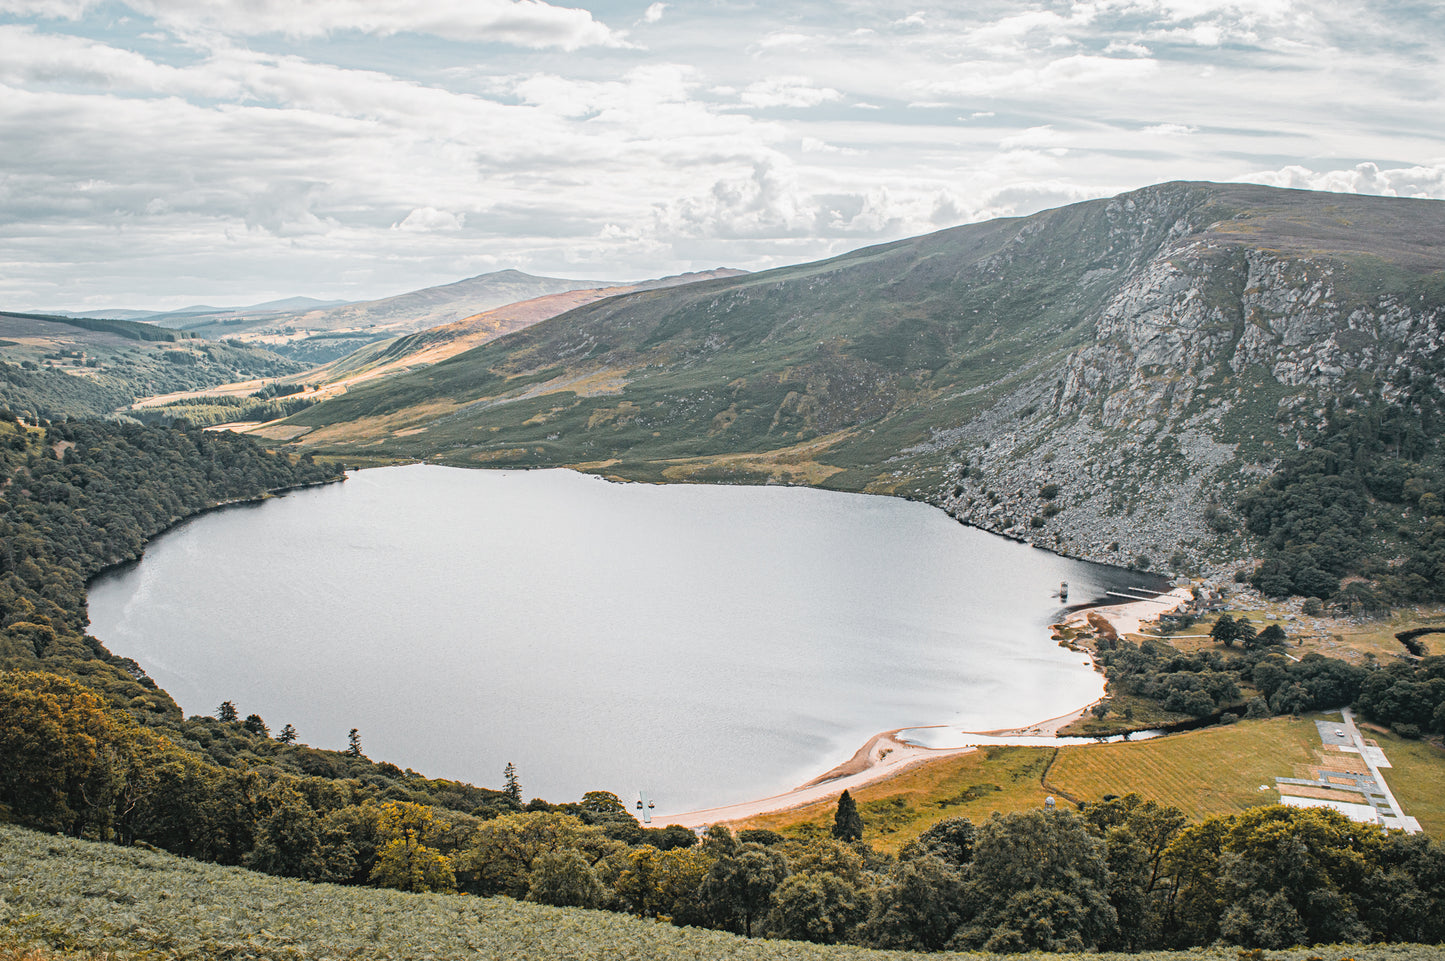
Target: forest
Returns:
[[1357, 516]]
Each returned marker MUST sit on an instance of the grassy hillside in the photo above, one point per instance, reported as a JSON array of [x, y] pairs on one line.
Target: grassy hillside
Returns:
[[59, 366], [317, 336], [787, 366], [80, 899]]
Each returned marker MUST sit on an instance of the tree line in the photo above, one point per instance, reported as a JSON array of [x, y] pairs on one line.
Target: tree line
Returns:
[[1123, 874]]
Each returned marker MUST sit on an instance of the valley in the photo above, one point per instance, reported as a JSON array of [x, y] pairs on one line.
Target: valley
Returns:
[[1225, 383]]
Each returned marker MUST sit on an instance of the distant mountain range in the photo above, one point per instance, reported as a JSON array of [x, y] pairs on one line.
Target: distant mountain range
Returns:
[[316, 331], [1137, 358], [176, 318]]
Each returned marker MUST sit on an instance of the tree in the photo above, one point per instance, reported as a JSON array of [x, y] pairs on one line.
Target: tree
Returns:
[[847, 822], [255, 725], [639, 884], [287, 735], [513, 788], [1224, 631], [950, 840], [353, 744], [918, 908], [227, 712], [816, 907], [1039, 881], [405, 861], [564, 879], [288, 836], [1244, 631], [740, 888], [1271, 636]]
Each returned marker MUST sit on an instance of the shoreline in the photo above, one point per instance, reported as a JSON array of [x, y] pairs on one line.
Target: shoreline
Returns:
[[881, 758], [884, 755]]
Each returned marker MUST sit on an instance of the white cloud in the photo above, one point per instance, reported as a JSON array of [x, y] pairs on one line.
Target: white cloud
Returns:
[[428, 219], [1078, 72], [1426, 181], [784, 39], [526, 23], [814, 145], [787, 92], [199, 150], [49, 9], [1044, 136], [1170, 130], [654, 13]]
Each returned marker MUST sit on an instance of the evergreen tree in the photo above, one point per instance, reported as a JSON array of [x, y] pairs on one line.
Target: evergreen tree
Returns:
[[287, 735], [513, 789], [847, 822], [255, 725], [353, 744], [1225, 631], [227, 712]]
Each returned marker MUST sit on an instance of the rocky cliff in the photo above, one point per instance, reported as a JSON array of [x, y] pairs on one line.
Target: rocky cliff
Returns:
[[1213, 350]]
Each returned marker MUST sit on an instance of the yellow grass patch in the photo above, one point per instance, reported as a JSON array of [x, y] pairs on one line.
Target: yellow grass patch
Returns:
[[376, 428], [1325, 794], [1348, 763], [1210, 771], [897, 810], [279, 432], [793, 465], [621, 415]]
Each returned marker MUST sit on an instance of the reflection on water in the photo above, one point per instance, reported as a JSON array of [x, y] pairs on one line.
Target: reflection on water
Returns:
[[703, 644]]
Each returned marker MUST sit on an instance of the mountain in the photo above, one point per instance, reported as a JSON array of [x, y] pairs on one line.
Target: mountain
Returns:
[[436, 344], [1093, 378], [321, 334], [183, 315]]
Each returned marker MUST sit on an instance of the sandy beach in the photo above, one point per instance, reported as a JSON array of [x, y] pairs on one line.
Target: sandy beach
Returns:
[[882, 757], [885, 756]]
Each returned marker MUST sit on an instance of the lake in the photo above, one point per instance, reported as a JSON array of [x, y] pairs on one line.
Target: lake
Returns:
[[700, 644]]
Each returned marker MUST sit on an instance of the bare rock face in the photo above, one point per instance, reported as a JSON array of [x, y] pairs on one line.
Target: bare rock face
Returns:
[[1209, 356]]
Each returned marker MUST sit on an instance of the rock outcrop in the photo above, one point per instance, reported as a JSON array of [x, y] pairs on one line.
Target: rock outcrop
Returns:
[[1211, 353]]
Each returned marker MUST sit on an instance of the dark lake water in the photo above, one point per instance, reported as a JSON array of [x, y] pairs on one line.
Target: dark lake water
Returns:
[[702, 644]]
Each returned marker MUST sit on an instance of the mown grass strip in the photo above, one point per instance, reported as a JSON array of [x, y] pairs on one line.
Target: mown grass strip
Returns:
[[1216, 770]]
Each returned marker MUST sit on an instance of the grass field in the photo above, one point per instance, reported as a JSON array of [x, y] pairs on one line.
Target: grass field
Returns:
[[899, 809], [1214, 770], [1211, 771]]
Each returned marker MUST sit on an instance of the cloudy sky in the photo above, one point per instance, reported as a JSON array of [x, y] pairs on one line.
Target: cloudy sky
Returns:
[[157, 153]]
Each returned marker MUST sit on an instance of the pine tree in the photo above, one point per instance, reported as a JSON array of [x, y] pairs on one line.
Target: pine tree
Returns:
[[226, 712], [353, 744], [513, 788], [847, 822], [287, 735]]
